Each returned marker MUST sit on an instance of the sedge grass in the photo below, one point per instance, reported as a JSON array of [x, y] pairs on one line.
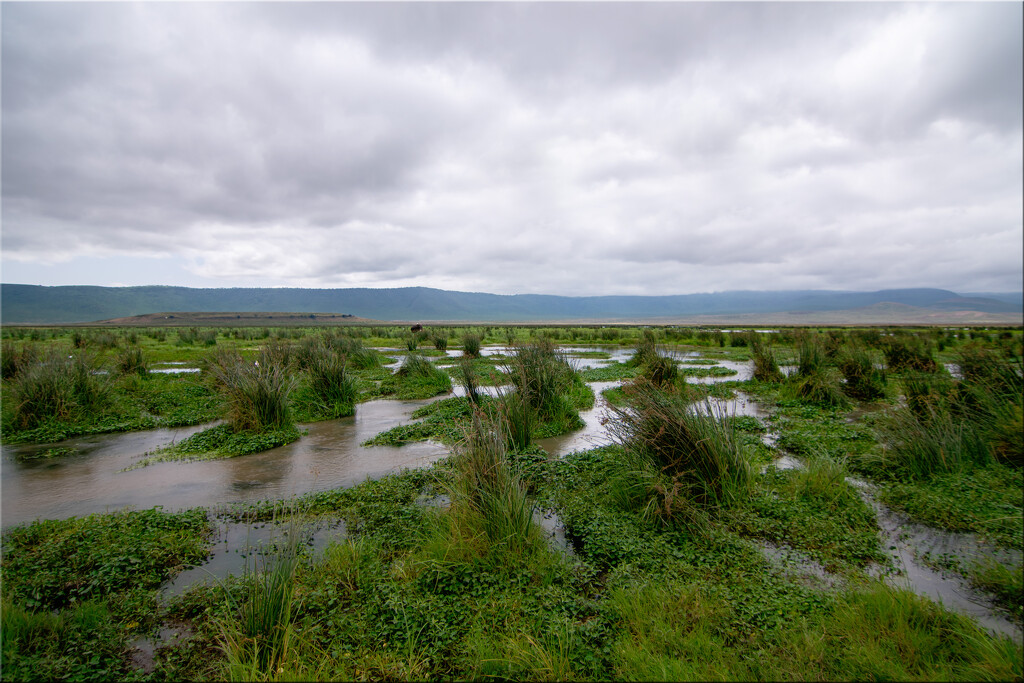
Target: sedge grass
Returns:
[[696, 448]]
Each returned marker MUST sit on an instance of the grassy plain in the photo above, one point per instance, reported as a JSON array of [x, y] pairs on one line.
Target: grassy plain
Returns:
[[676, 529]]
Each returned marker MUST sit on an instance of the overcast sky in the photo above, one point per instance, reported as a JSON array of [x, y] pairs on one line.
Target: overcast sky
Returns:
[[570, 148]]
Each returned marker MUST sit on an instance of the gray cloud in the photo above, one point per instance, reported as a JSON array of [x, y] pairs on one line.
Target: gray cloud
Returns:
[[570, 148]]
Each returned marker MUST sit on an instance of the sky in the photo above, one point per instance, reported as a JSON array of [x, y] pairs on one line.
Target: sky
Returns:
[[582, 148]]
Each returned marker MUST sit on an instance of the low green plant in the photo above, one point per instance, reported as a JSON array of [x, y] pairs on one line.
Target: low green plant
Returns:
[[766, 368]]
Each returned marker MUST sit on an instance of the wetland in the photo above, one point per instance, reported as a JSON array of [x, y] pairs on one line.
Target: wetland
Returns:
[[597, 503]]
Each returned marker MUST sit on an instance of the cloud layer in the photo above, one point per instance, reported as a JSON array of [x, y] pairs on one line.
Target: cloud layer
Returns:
[[569, 148]]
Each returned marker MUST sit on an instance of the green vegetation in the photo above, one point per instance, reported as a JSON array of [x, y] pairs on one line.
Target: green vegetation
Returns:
[[685, 559]]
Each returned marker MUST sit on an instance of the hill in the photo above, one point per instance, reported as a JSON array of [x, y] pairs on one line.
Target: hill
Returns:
[[36, 304]]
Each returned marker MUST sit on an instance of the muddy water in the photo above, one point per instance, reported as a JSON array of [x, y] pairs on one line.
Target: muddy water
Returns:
[[92, 479], [909, 542]]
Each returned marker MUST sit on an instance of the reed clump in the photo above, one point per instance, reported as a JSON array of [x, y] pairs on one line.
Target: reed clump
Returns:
[[259, 637], [130, 361], [766, 367], [543, 378], [57, 385], [946, 424], [908, 354], [486, 487], [471, 345], [696, 450], [864, 381], [256, 394], [332, 384]]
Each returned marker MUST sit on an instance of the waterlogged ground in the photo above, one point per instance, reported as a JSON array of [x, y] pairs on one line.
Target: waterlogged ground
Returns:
[[783, 575]]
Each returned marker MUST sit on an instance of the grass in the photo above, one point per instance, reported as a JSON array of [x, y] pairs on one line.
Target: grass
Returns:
[[695, 450], [417, 378], [256, 395], [863, 380], [257, 636], [766, 368], [59, 386]]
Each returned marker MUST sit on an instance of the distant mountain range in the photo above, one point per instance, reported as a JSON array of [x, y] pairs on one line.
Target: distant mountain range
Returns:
[[80, 304]]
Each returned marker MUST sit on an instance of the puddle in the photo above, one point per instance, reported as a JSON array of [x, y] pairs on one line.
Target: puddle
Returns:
[[173, 371], [592, 435], [236, 546], [908, 542], [799, 566], [742, 404], [784, 462], [144, 649], [554, 530]]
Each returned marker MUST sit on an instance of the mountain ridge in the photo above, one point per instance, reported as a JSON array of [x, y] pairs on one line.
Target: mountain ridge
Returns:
[[27, 304]]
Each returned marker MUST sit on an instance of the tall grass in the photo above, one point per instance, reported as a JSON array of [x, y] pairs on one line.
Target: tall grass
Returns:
[[517, 419], [58, 385], [946, 425], [256, 394], [486, 485], [469, 379], [811, 357], [471, 345], [542, 376], [130, 361], [257, 641], [908, 353], [13, 359], [863, 380], [766, 368], [646, 350], [332, 383], [696, 449]]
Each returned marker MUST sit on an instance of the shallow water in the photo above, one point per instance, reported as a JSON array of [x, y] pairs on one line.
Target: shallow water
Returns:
[[92, 479], [238, 547], [908, 542]]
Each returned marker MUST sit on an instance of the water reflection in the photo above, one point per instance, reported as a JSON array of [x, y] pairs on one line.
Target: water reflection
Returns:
[[92, 479]]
